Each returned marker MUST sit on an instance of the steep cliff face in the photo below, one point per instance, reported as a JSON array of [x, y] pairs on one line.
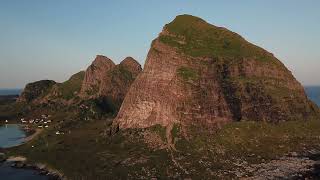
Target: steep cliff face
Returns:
[[197, 74], [95, 76], [36, 90], [120, 79]]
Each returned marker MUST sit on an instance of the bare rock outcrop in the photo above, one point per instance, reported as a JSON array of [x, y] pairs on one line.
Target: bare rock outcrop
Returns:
[[197, 74], [104, 82], [110, 82], [131, 65], [95, 76]]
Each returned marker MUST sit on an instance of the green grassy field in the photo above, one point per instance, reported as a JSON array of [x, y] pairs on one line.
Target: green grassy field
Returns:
[[87, 150]]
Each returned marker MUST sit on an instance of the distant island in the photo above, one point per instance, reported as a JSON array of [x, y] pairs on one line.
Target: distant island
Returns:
[[208, 104]]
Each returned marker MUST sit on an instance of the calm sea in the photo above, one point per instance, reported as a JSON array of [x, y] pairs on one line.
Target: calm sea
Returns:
[[313, 93], [10, 92], [11, 135]]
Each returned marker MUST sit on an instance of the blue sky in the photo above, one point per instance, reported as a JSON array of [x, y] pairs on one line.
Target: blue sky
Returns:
[[53, 39]]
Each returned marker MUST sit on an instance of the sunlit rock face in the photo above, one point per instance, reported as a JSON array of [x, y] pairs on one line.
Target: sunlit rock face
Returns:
[[197, 74], [104, 79]]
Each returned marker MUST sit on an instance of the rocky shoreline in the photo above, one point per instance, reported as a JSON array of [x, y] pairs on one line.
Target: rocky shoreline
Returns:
[[292, 166], [20, 162]]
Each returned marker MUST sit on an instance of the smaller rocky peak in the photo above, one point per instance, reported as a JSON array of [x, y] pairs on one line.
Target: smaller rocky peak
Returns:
[[102, 61], [131, 64], [95, 74]]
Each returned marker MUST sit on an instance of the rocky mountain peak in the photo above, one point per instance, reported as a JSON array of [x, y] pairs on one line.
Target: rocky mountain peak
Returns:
[[197, 38], [102, 62], [198, 74], [109, 82], [131, 64], [95, 75]]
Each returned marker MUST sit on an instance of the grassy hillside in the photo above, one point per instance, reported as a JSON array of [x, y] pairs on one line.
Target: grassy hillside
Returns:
[[87, 150], [195, 37], [36, 90], [72, 86]]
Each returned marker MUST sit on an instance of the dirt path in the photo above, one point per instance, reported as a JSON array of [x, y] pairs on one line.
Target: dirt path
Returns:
[[169, 136], [171, 147]]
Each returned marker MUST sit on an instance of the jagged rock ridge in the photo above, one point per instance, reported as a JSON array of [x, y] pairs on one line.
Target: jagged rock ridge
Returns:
[[103, 80], [95, 75], [197, 74]]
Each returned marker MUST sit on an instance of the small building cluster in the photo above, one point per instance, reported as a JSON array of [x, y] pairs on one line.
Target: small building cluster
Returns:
[[59, 132], [42, 122], [82, 106]]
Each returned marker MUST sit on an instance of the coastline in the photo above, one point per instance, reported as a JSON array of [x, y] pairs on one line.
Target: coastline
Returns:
[[21, 162], [31, 134]]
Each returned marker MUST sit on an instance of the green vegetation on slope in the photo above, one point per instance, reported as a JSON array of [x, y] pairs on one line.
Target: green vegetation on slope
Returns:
[[121, 73], [71, 86], [126, 73], [187, 73], [87, 151], [37, 89], [195, 37], [267, 140]]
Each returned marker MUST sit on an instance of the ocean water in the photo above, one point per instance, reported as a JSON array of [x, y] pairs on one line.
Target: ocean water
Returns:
[[10, 92], [9, 173], [313, 92], [12, 135]]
